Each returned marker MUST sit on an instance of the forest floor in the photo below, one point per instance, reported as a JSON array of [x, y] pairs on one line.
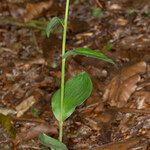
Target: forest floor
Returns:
[[117, 115]]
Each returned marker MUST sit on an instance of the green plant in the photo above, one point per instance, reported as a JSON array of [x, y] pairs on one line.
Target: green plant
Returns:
[[97, 12], [72, 93]]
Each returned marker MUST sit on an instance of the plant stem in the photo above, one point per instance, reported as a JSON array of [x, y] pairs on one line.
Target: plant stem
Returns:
[[63, 71]]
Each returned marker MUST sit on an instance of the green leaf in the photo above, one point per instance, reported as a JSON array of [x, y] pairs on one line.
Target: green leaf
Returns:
[[89, 53], [52, 24], [6, 123], [51, 142], [77, 90]]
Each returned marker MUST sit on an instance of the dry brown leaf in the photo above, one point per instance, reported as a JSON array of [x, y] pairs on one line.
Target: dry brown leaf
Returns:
[[124, 84], [139, 68], [34, 10], [122, 22], [126, 89], [25, 105]]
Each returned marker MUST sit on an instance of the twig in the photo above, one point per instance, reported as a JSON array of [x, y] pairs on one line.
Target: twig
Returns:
[[99, 4], [28, 119], [131, 110]]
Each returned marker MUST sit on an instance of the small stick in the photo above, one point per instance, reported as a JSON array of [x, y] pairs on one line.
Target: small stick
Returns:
[[99, 4], [131, 110], [28, 119]]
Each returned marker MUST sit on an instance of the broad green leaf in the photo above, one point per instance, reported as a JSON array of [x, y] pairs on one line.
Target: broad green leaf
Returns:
[[52, 24], [51, 142], [89, 53], [6, 123], [77, 90]]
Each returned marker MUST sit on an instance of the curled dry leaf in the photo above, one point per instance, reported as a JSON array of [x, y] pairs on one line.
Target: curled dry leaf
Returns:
[[34, 10], [124, 84]]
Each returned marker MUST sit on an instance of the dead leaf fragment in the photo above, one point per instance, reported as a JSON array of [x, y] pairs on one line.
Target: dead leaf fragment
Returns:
[[34, 10], [25, 105], [6, 123], [142, 99], [122, 21], [127, 88], [7, 111], [139, 68]]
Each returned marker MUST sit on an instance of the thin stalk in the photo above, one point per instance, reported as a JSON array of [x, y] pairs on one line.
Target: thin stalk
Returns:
[[63, 71]]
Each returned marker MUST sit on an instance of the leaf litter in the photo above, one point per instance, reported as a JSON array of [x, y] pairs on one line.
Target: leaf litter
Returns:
[[118, 110]]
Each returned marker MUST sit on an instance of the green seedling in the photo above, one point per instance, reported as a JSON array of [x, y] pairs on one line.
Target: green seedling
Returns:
[[107, 47], [72, 93], [97, 12], [35, 112]]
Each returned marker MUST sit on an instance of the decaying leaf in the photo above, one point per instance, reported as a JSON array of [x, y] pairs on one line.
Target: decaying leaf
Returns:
[[34, 10], [6, 123], [25, 105], [124, 84], [7, 111], [142, 99], [127, 88]]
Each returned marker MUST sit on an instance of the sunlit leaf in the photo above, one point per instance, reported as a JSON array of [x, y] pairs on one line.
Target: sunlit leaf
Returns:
[[51, 142], [77, 90], [52, 24], [6, 123], [89, 53]]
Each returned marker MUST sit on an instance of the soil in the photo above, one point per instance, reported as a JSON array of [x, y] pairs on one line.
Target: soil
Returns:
[[117, 114]]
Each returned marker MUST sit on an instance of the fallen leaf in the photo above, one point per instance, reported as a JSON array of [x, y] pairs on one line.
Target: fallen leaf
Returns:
[[7, 111], [124, 84], [25, 105], [35, 9], [6, 123], [142, 99], [127, 88], [122, 22]]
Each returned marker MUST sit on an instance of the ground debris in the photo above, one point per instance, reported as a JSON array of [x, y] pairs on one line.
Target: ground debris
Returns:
[[33, 132], [124, 84], [124, 145], [25, 105]]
